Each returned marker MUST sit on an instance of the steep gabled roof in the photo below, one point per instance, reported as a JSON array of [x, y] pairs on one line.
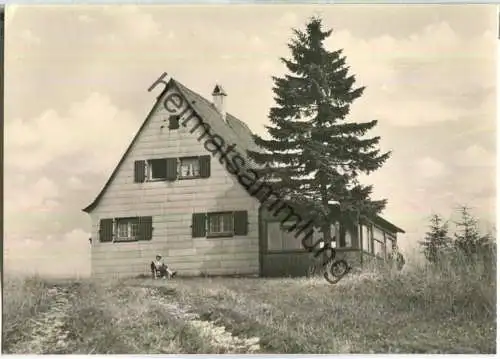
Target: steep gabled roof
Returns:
[[232, 130]]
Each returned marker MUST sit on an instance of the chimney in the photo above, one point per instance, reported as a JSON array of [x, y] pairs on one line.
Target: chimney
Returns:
[[218, 95]]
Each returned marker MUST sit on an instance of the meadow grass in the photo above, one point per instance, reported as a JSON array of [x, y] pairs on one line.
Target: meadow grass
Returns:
[[23, 298], [104, 317], [423, 309]]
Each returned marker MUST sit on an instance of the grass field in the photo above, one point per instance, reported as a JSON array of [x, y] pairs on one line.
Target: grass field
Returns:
[[414, 311]]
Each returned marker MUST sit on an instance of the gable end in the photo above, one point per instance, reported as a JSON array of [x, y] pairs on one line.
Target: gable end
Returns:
[[192, 99]]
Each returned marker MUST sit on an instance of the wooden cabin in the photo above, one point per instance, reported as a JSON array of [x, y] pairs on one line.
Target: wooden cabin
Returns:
[[174, 192]]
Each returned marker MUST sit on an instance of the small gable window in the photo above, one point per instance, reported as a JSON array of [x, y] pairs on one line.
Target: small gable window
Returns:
[[189, 167], [157, 169], [173, 122]]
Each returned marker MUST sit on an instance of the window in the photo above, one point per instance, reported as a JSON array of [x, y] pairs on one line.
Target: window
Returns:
[[290, 239], [348, 238], [379, 248], [391, 242], [378, 234], [378, 242], [367, 242], [172, 169], [189, 167], [125, 229], [280, 239], [156, 169], [122, 229], [173, 122], [345, 239], [274, 240], [220, 223]]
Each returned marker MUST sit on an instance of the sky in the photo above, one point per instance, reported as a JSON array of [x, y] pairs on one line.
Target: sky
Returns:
[[77, 80]]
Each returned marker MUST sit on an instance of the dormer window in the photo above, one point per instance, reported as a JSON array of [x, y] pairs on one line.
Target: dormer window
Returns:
[[173, 122]]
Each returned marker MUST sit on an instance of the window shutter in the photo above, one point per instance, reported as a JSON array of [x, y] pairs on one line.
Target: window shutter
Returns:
[[159, 168], [198, 226], [171, 166], [145, 228], [204, 166], [139, 171], [240, 223], [106, 230]]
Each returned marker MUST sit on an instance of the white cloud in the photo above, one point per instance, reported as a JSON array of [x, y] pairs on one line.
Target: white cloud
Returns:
[[429, 167], [288, 19], [26, 37], [255, 40], [41, 196], [93, 129], [134, 23], [475, 156], [75, 183], [408, 79], [66, 256], [31, 209]]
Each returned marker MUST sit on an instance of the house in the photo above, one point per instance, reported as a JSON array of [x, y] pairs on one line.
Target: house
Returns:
[[174, 192]]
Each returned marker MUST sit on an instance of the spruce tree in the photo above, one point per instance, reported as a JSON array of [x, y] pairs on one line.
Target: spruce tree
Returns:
[[467, 237], [436, 239], [315, 155]]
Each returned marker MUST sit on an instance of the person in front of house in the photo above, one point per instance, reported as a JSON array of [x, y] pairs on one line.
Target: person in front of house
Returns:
[[397, 258], [160, 266]]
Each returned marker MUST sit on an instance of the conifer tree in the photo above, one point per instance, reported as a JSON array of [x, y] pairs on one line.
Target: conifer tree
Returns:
[[315, 155], [467, 237], [436, 239]]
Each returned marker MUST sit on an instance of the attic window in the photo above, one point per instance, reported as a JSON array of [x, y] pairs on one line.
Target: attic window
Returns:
[[156, 169], [189, 167], [173, 122]]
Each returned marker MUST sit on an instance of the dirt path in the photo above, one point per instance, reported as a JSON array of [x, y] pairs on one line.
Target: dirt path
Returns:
[[218, 336], [45, 332]]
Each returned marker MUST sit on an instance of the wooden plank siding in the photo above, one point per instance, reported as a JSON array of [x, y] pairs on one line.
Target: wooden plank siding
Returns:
[[171, 205]]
